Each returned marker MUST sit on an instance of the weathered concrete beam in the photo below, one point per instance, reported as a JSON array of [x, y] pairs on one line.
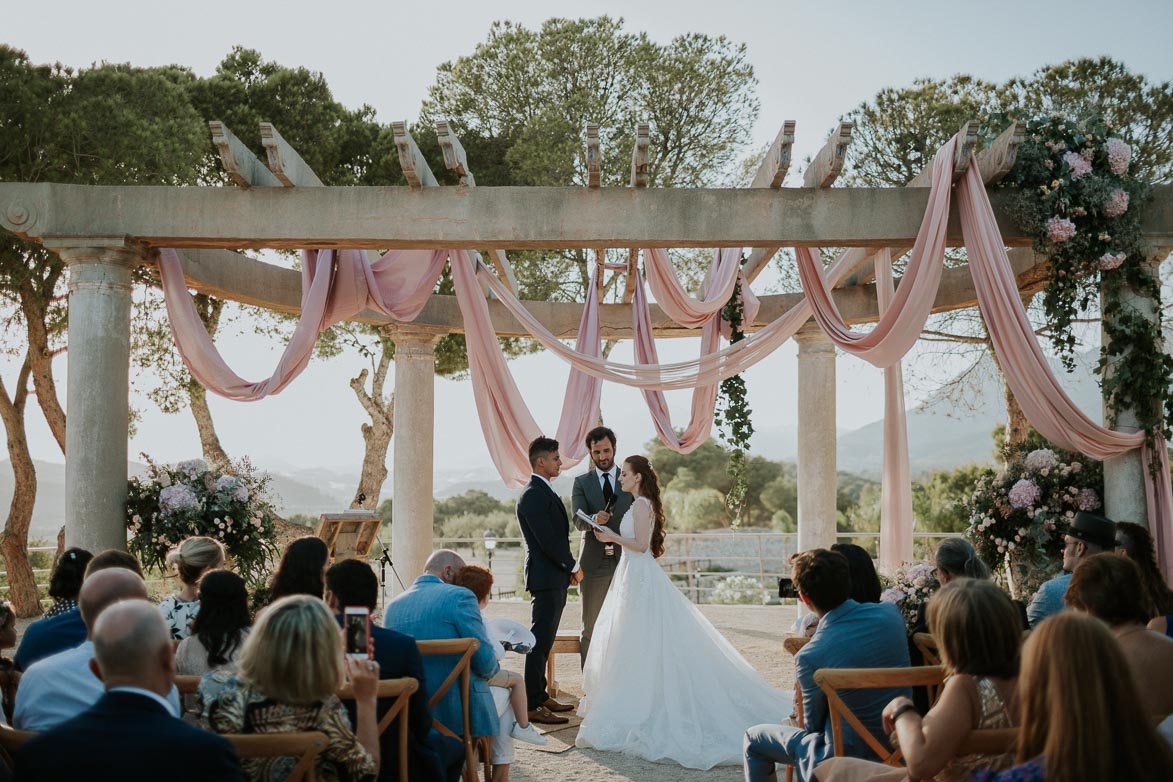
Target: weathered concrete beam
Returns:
[[244, 168], [499, 217], [411, 160], [236, 277], [284, 161]]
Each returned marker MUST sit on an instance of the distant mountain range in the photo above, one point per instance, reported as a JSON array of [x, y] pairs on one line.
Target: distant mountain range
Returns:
[[942, 433]]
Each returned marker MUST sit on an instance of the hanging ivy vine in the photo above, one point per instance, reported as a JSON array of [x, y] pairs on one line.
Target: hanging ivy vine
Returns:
[[1078, 196], [733, 417]]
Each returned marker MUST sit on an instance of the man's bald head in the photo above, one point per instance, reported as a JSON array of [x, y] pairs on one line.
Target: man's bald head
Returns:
[[105, 588], [444, 563], [132, 643]]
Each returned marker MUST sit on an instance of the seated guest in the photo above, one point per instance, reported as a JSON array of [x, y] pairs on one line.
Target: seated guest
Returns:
[[479, 581], [7, 641], [980, 633], [850, 635], [434, 608], [219, 628], [302, 570], [1081, 712], [431, 756], [1136, 543], [65, 581], [61, 686], [1108, 587], [192, 558], [1089, 534], [865, 584], [290, 670], [66, 629], [131, 733]]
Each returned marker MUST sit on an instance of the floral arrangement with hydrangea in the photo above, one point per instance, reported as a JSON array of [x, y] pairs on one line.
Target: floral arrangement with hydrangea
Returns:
[[1017, 517], [173, 502], [910, 589]]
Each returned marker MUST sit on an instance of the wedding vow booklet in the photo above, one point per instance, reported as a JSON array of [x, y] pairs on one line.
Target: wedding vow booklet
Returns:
[[590, 520]]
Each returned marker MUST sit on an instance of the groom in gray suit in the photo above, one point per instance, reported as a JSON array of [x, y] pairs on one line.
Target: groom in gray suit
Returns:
[[598, 492]]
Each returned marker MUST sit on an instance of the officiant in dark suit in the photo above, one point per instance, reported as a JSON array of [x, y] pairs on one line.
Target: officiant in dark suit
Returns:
[[550, 569], [598, 492]]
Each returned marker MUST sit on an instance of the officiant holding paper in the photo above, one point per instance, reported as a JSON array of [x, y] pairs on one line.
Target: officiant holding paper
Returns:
[[598, 492]]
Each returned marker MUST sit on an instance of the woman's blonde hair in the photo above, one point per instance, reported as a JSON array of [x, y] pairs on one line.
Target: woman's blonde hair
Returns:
[[1081, 709], [294, 652], [977, 628], [193, 556]]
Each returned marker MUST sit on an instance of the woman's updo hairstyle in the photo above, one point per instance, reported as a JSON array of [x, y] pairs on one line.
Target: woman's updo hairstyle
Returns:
[[649, 486], [68, 573], [958, 558], [193, 556]]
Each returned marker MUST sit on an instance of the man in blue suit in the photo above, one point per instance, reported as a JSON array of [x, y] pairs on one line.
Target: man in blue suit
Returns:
[[435, 609], [849, 635], [132, 733], [431, 756]]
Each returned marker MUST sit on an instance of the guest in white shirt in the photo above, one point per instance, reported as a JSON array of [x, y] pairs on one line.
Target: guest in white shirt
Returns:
[[62, 686]]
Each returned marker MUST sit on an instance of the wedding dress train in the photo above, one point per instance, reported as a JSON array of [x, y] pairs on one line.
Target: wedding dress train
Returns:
[[661, 682]]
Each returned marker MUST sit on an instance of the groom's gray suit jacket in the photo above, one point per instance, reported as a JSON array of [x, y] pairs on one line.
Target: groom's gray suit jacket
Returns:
[[587, 496]]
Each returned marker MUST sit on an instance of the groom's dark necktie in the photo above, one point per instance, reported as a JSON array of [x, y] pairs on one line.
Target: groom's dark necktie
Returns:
[[608, 492]]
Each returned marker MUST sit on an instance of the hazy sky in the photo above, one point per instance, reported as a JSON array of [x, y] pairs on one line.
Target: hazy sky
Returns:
[[814, 61]]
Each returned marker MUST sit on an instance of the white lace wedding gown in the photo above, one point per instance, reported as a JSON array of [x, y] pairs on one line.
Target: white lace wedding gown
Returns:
[[661, 682]]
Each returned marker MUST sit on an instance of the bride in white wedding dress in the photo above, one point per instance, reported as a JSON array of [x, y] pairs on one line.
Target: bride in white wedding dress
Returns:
[[661, 682]]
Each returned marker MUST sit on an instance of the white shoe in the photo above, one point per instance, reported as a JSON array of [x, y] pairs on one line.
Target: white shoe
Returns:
[[528, 734]]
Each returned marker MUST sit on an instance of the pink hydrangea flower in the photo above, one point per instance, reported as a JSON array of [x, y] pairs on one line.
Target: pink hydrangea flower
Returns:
[[1119, 156], [1110, 261], [1059, 230], [1041, 459], [1117, 203], [1078, 166], [1088, 499], [1024, 493]]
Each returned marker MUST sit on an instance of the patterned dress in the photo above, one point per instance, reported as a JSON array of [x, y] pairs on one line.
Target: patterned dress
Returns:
[[1030, 771], [179, 615], [994, 714], [242, 709]]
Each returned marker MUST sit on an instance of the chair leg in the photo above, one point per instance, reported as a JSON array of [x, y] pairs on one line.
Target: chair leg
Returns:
[[486, 748], [470, 762], [790, 774]]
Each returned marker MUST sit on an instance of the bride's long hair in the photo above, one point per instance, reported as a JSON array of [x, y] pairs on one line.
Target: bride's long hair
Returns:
[[649, 486]]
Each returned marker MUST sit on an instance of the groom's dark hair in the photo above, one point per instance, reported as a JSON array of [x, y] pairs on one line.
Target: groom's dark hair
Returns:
[[824, 577], [540, 447], [599, 433]]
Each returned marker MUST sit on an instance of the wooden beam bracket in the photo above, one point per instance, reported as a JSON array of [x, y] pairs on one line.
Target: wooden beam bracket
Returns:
[[284, 162], [827, 164], [241, 165], [594, 156], [413, 163], [455, 158]]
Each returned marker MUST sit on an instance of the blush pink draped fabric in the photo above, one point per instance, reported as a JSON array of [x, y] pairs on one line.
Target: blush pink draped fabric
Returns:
[[900, 326], [674, 299], [1043, 400]]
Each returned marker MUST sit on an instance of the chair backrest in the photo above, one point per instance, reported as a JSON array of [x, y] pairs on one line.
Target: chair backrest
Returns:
[[793, 644], [831, 680], [9, 681], [401, 690], [928, 648], [11, 740], [463, 649], [187, 685], [305, 746]]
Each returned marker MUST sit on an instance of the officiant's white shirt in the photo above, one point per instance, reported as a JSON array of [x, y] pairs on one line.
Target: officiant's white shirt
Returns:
[[613, 472]]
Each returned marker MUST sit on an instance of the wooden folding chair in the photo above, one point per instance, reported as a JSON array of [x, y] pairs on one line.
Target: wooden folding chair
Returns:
[[11, 740], [9, 681], [831, 680], [304, 746], [187, 685], [401, 690], [932, 656], [792, 644], [463, 648]]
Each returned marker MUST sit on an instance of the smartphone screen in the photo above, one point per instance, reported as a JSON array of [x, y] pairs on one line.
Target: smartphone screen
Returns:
[[357, 621], [786, 588]]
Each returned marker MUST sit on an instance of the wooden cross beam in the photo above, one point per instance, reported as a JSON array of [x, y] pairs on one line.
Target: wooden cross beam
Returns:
[[594, 156], [413, 163], [241, 165], [771, 171], [455, 159], [995, 160], [640, 155], [284, 161], [827, 165]]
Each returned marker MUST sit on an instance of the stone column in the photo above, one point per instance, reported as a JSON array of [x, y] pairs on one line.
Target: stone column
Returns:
[[97, 386], [411, 475], [1125, 476], [816, 439]]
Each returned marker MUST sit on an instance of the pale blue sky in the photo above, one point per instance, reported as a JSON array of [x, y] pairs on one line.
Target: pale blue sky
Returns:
[[814, 61]]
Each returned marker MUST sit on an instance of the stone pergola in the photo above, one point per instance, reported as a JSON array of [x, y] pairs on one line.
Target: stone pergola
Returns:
[[102, 233]]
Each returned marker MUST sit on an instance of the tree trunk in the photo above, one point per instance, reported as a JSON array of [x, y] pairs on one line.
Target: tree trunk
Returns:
[[209, 309], [377, 434], [14, 540], [1017, 427], [41, 355]]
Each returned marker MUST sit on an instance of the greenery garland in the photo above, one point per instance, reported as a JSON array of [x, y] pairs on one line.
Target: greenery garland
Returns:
[[1079, 198], [734, 414]]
